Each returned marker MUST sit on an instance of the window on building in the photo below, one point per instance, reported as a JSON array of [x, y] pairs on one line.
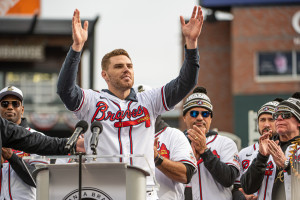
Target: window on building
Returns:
[[278, 66], [40, 88]]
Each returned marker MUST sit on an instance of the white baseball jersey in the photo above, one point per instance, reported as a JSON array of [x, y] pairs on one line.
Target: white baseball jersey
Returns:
[[128, 126], [265, 191], [173, 144], [204, 185], [245, 158], [12, 186]]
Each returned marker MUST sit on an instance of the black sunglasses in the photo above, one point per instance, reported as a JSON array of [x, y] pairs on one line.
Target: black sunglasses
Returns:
[[195, 113], [284, 115], [15, 104]]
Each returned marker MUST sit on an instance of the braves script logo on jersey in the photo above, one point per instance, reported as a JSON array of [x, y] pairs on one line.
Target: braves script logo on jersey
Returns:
[[140, 114], [88, 194], [163, 151]]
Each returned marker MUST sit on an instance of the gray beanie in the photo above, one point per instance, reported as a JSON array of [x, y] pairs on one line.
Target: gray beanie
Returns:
[[199, 98], [292, 105], [269, 108]]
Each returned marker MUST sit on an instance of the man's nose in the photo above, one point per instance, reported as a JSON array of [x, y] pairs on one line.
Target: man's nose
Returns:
[[199, 117]]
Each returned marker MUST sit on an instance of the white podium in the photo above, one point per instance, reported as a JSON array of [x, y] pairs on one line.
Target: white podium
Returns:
[[99, 181]]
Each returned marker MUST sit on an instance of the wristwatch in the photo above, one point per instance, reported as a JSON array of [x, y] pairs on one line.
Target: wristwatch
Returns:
[[286, 164], [158, 160]]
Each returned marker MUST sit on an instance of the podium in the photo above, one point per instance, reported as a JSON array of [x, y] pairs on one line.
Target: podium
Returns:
[[99, 180]]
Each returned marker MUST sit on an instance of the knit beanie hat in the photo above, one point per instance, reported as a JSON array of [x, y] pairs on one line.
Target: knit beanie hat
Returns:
[[199, 98], [292, 105], [269, 108]]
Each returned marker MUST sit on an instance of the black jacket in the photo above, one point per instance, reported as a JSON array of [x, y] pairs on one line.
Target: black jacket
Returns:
[[17, 137]]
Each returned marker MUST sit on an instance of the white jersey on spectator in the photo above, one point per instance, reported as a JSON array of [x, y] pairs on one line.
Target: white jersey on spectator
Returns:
[[173, 144], [12, 186], [204, 186]]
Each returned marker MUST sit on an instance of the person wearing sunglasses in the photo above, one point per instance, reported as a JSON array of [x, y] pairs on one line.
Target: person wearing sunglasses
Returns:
[[269, 171], [266, 124], [217, 156], [16, 175]]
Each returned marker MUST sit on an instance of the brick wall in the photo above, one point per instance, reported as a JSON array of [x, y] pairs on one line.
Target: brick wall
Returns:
[[260, 29]]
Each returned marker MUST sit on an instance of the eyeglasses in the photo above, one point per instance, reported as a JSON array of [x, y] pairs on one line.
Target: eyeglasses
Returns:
[[15, 104], [195, 113], [284, 115]]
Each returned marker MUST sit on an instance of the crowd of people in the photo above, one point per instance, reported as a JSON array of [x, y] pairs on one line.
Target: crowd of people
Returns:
[[197, 164]]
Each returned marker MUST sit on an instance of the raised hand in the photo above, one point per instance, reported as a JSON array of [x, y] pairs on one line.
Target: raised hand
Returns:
[[198, 139], [277, 153], [79, 34], [192, 29], [263, 144]]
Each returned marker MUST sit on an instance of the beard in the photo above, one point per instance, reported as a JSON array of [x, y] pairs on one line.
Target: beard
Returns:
[[120, 84]]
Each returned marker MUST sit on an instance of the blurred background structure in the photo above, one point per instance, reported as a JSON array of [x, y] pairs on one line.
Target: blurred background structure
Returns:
[[249, 53]]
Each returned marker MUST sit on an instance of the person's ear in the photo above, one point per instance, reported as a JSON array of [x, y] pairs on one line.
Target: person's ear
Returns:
[[104, 75]]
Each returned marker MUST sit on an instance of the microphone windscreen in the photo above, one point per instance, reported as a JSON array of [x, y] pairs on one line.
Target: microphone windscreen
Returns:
[[97, 124], [82, 124]]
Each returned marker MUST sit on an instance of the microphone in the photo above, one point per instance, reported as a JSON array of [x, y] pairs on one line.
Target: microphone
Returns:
[[80, 128], [96, 129]]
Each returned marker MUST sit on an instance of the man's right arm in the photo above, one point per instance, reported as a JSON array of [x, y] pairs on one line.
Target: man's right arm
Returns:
[[252, 179], [67, 89]]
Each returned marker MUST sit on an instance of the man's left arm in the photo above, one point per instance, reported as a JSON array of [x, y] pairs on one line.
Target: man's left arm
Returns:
[[176, 171], [223, 173], [178, 88]]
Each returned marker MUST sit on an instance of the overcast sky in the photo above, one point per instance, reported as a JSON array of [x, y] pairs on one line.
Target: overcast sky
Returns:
[[148, 29]]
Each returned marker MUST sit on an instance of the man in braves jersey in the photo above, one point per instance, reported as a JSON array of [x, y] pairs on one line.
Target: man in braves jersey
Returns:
[[174, 159], [127, 118], [269, 172], [217, 156], [16, 180], [266, 124]]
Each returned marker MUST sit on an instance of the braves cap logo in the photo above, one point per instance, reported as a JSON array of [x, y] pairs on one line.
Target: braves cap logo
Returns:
[[200, 102]]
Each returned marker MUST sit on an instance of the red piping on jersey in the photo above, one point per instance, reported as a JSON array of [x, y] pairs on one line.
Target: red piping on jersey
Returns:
[[212, 140], [130, 135], [119, 133], [266, 186], [9, 188], [254, 147], [200, 186], [160, 132], [83, 97], [163, 99]]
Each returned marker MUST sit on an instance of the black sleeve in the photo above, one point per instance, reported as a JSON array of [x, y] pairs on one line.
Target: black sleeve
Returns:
[[221, 172], [252, 179], [190, 171], [178, 88], [23, 169], [67, 89], [237, 194], [17, 137]]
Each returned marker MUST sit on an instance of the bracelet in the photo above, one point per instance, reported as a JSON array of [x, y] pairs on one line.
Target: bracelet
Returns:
[[158, 160]]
